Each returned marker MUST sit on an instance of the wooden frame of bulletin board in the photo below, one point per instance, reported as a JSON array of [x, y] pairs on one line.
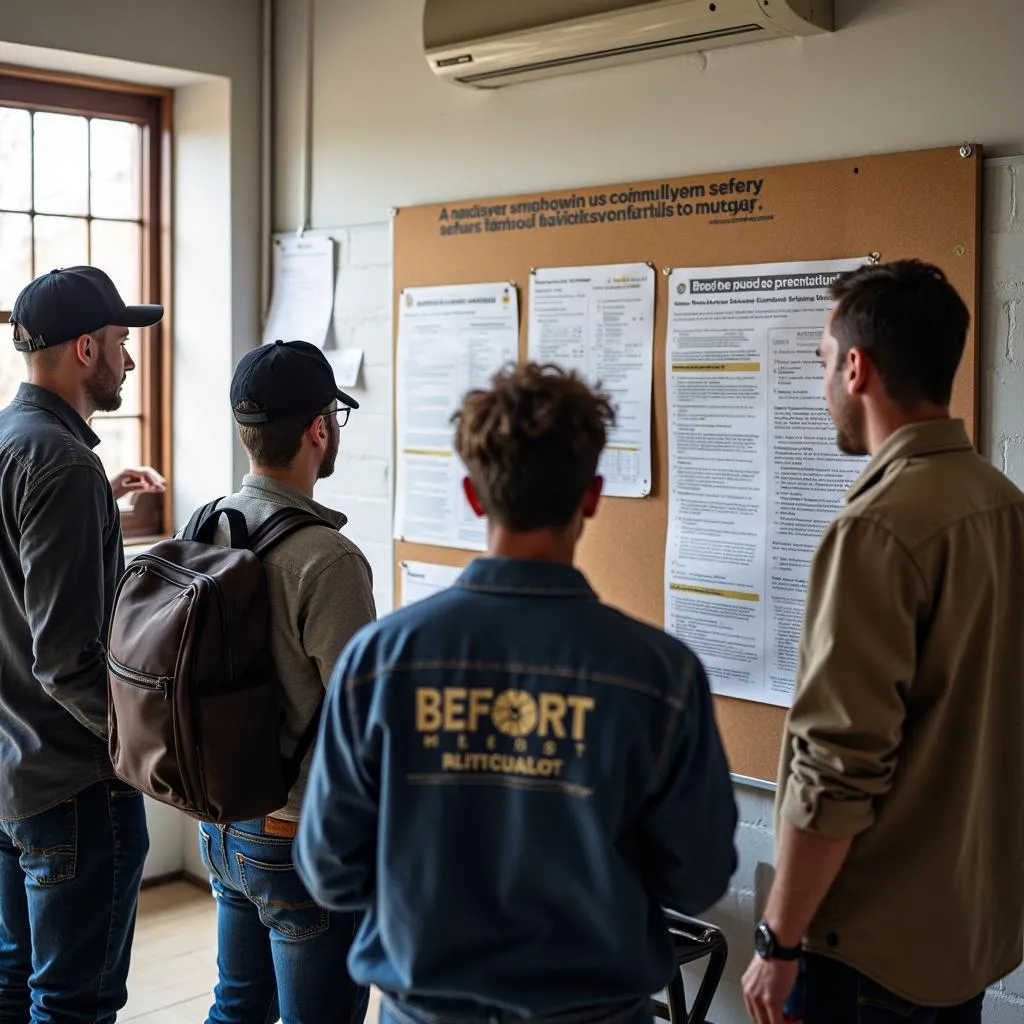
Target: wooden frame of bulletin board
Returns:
[[921, 204]]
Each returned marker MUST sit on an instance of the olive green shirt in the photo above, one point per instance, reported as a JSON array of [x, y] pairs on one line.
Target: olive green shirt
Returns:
[[907, 729]]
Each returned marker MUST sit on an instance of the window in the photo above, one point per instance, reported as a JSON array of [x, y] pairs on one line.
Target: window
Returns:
[[83, 180]]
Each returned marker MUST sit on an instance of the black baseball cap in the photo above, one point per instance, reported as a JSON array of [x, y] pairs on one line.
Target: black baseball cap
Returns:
[[65, 304], [284, 380]]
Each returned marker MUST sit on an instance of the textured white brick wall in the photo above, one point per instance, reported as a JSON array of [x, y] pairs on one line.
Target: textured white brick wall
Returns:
[[361, 486], [1003, 399]]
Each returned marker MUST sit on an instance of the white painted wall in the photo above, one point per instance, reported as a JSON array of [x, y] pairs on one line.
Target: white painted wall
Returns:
[[898, 75]]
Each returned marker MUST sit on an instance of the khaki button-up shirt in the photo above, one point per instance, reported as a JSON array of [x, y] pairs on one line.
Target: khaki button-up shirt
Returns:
[[907, 730]]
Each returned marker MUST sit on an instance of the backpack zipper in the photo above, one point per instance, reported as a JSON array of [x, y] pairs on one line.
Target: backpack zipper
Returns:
[[214, 586], [144, 680]]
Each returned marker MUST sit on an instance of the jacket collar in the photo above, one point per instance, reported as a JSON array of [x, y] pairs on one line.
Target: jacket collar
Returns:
[[933, 437], [51, 402], [525, 578], [265, 488]]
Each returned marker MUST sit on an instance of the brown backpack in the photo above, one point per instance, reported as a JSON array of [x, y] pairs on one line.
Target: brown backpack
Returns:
[[195, 710]]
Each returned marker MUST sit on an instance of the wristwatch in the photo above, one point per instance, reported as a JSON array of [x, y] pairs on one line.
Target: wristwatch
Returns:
[[767, 946]]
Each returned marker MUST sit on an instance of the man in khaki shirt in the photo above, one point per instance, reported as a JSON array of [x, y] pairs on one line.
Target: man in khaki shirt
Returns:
[[899, 890]]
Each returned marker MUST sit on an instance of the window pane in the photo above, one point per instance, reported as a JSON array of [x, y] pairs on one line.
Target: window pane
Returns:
[[116, 169], [61, 164], [15, 256], [117, 249], [61, 242], [131, 392], [15, 159], [12, 367], [121, 443]]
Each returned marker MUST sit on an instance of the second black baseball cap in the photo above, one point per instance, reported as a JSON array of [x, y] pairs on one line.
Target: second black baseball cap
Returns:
[[284, 380]]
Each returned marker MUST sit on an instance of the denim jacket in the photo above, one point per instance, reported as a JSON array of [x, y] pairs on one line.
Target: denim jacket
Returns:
[[61, 555], [511, 779]]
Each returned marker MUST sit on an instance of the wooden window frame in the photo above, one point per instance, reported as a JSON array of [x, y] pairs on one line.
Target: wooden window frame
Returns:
[[149, 516]]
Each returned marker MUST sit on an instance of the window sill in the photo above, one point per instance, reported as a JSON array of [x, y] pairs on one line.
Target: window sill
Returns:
[[134, 548]]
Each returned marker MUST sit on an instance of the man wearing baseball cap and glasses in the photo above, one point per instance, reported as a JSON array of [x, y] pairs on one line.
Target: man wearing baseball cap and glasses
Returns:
[[72, 837], [279, 954]]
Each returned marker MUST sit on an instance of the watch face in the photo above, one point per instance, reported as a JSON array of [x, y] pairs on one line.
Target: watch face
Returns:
[[762, 941]]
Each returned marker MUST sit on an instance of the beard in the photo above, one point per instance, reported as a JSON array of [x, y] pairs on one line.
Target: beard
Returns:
[[331, 455], [848, 418], [103, 387]]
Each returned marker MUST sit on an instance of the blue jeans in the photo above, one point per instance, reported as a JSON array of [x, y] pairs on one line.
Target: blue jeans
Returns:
[[69, 890], [278, 952], [401, 1010], [829, 992]]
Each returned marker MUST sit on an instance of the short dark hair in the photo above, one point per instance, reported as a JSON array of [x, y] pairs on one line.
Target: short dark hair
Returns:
[[531, 444], [274, 445], [47, 358], [911, 322]]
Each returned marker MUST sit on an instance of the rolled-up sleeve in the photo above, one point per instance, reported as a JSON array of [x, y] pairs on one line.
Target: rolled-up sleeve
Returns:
[[858, 659], [63, 525]]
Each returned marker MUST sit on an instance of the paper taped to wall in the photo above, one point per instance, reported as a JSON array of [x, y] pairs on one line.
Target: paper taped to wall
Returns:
[[303, 292]]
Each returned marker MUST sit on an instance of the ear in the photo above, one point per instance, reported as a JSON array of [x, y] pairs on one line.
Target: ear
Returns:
[[473, 498], [86, 349], [317, 432], [592, 498], [857, 372]]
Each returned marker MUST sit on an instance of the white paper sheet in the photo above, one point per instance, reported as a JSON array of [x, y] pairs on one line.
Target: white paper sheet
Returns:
[[346, 363], [754, 472], [599, 321], [450, 340], [422, 579], [303, 292]]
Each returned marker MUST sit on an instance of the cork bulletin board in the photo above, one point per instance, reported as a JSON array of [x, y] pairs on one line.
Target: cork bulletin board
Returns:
[[924, 204]]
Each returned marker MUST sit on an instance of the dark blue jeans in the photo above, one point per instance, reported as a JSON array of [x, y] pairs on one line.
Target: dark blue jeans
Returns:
[[829, 992], [401, 1010], [278, 953], [69, 889]]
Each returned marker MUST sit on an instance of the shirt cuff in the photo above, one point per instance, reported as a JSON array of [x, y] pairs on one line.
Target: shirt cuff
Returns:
[[810, 808]]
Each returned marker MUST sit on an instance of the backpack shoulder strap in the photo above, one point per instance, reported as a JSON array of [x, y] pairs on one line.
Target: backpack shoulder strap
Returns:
[[280, 525], [202, 527], [192, 527]]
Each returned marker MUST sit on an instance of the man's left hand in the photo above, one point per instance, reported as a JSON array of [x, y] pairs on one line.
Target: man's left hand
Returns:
[[144, 480], [766, 987]]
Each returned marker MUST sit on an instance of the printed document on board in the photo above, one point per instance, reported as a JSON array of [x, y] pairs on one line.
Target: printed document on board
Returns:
[[451, 339], [302, 301], [754, 472], [599, 321], [423, 579]]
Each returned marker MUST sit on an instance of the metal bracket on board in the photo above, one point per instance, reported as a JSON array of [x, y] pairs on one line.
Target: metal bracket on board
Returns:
[[751, 783], [875, 257]]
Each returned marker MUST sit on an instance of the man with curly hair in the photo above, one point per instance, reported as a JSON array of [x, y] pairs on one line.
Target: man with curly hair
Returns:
[[513, 778]]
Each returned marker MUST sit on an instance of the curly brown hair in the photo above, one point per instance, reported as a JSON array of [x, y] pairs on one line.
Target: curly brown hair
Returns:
[[531, 444]]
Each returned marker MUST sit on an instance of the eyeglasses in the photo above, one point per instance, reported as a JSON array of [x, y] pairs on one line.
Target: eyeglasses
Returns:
[[340, 415]]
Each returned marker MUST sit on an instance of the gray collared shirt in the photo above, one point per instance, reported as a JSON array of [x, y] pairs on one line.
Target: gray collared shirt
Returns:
[[61, 556], [321, 593]]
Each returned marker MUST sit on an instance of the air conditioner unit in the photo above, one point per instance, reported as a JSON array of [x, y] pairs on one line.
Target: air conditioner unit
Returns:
[[490, 43]]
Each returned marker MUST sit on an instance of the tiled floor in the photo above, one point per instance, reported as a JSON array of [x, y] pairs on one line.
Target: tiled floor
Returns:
[[174, 958]]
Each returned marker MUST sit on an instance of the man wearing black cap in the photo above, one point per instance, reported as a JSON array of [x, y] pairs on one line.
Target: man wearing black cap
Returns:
[[279, 954], [72, 837]]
